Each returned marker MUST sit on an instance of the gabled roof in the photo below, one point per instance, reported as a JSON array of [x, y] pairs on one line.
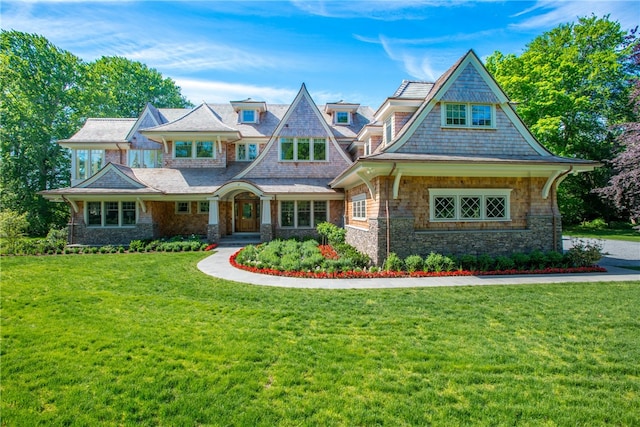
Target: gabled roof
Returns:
[[200, 119], [100, 134]]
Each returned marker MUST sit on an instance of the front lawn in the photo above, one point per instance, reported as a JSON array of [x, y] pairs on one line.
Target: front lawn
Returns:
[[598, 229], [146, 339]]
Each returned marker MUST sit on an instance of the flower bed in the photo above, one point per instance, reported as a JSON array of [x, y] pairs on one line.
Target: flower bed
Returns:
[[329, 253]]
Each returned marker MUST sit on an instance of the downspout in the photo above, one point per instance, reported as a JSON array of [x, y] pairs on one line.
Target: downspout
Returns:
[[387, 210], [554, 206]]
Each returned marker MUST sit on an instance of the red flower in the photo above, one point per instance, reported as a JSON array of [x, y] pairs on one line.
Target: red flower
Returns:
[[211, 247]]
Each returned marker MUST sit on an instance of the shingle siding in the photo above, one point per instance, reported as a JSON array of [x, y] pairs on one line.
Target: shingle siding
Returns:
[[470, 87]]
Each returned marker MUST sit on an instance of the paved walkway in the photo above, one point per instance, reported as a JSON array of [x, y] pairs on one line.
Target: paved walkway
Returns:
[[218, 265]]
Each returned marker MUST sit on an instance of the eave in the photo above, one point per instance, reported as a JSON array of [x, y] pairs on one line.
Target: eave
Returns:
[[95, 145]]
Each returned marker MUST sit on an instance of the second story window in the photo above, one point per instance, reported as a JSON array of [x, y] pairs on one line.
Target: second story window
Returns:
[[303, 149], [388, 130], [342, 118], [194, 150], [248, 116], [246, 152], [87, 163], [468, 115], [145, 158]]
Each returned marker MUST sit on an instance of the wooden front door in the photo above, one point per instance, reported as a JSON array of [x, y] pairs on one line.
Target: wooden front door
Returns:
[[247, 215]]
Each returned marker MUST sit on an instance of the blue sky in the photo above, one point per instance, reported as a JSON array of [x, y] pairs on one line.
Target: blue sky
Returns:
[[356, 51]]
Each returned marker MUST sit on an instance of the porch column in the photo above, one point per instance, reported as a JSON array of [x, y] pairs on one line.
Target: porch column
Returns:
[[213, 229], [266, 230], [213, 210]]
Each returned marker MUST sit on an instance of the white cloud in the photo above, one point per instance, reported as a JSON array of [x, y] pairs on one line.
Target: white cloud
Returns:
[[546, 14], [215, 91]]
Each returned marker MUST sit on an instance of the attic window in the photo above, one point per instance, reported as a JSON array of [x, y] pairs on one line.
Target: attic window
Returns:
[[342, 118], [248, 116], [468, 115]]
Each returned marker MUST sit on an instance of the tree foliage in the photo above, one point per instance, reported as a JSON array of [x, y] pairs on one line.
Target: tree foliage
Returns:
[[46, 95], [571, 84], [623, 188]]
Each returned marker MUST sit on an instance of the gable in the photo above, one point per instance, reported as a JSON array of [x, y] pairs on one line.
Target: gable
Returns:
[[468, 83], [113, 177], [469, 86], [146, 120], [303, 119]]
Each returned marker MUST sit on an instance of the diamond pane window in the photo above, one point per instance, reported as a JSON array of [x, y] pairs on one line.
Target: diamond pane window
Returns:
[[470, 207], [253, 151], [444, 207], [242, 151], [496, 207]]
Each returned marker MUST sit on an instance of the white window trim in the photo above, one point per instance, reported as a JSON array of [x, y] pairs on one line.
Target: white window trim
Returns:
[[74, 163], [183, 213], [203, 203], [359, 199], [312, 142], [468, 116], [246, 145], [335, 118], [194, 150], [367, 147], [241, 119], [295, 214], [388, 124], [141, 152], [103, 214], [457, 193]]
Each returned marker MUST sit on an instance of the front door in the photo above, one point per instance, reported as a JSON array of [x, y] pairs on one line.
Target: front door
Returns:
[[247, 215]]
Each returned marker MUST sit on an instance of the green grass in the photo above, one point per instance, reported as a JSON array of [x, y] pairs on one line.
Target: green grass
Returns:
[[626, 234], [146, 339]]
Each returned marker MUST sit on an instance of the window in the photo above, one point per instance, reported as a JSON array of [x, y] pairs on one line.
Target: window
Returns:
[[246, 152], [248, 116], [367, 147], [110, 214], [194, 150], [342, 118], [302, 213], [183, 207], [388, 129], [303, 149], [203, 207], [145, 158], [458, 115], [87, 163], [469, 204], [359, 207]]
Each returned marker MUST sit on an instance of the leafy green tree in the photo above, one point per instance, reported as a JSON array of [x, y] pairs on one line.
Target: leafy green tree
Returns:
[[571, 84], [46, 95], [38, 104], [119, 87], [12, 228]]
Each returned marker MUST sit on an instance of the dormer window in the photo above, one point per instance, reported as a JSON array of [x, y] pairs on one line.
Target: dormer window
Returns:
[[248, 116], [342, 118]]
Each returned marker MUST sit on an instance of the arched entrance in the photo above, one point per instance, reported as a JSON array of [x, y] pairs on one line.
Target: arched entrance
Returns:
[[247, 213]]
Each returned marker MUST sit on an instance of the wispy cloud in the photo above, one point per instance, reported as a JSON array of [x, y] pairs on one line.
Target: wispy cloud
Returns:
[[216, 91], [546, 14]]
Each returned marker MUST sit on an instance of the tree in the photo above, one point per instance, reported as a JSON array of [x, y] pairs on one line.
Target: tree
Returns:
[[623, 188], [119, 87], [571, 84], [46, 95], [38, 104], [12, 228]]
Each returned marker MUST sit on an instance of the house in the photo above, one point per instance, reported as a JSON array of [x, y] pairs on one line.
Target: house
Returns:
[[445, 166]]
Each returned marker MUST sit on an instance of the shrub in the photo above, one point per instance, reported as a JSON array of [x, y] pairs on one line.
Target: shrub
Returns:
[[596, 224], [438, 262], [359, 259], [393, 263], [521, 261], [583, 253], [331, 233], [311, 262], [554, 259], [485, 262], [290, 262], [537, 260], [12, 228], [504, 263], [468, 262], [413, 263]]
